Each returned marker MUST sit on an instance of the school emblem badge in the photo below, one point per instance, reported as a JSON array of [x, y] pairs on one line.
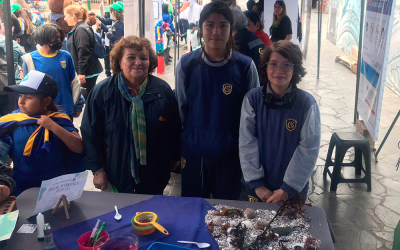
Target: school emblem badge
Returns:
[[252, 199], [291, 124], [183, 162], [227, 88], [260, 50], [63, 64]]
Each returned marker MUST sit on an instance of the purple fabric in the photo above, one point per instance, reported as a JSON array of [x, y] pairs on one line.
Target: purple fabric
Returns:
[[182, 217]]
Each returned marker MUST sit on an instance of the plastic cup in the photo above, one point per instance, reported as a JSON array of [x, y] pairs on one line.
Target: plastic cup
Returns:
[[127, 242], [86, 236]]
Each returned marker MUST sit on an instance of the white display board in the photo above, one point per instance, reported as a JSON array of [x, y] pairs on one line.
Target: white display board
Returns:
[[377, 37], [131, 19], [70, 185], [292, 10]]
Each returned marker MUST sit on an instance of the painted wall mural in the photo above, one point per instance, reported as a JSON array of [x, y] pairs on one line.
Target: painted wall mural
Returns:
[[344, 30], [344, 23]]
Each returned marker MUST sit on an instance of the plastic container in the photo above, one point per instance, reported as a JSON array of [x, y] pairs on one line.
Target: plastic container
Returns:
[[143, 229], [161, 65], [126, 242], [165, 246], [86, 236]]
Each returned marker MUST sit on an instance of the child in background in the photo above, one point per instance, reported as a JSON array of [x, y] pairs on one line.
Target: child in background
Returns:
[[44, 143], [104, 24], [170, 32], [117, 29], [254, 25], [57, 63]]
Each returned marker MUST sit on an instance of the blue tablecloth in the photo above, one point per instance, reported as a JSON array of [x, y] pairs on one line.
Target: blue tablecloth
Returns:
[[182, 217]]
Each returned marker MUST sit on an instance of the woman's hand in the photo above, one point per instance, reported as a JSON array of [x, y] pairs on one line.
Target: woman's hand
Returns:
[[4, 192], [278, 195], [46, 122], [77, 114], [100, 181], [82, 79], [263, 193]]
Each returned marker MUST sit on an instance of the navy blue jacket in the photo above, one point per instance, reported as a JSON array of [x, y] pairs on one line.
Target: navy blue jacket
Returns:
[[115, 33], [250, 45], [105, 132]]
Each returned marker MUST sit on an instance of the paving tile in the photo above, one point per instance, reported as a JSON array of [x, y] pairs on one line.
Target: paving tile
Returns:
[[390, 184], [360, 201], [393, 203], [388, 236], [388, 217]]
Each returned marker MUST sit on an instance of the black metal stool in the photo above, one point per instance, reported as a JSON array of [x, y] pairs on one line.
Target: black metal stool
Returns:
[[344, 141]]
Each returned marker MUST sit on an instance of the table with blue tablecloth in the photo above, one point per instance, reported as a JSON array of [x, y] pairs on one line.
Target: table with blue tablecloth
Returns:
[[182, 217]]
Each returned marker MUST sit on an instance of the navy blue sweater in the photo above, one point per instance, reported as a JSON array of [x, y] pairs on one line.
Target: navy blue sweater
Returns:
[[209, 96], [278, 146]]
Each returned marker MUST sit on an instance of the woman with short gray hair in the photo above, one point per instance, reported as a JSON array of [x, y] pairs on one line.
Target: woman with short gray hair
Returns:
[[246, 42]]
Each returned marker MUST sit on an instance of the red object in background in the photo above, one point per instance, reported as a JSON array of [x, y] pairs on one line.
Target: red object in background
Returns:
[[85, 237], [161, 66]]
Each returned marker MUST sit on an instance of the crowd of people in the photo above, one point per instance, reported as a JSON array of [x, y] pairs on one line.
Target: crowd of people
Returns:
[[236, 120]]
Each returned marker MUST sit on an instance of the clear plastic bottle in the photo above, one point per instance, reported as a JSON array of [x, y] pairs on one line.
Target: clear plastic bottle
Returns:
[[48, 238]]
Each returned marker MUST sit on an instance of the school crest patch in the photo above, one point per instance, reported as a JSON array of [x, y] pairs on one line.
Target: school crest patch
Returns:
[[227, 88], [183, 162], [63, 64], [260, 50], [291, 124], [252, 199]]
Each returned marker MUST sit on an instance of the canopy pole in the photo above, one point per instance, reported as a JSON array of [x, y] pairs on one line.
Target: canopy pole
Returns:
[[360, 44], [141, 18], [319, 34]]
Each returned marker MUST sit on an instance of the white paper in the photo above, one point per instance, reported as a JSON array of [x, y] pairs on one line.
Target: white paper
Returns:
[[70, 185], [106, 40], [27, 229], [7, 224], [377, 37]]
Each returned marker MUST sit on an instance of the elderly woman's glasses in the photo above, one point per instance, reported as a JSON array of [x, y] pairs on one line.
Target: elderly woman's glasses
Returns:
[[286, 66]]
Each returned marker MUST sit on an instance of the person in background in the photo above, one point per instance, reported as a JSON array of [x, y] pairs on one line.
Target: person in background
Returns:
[[260, 10], [246, 42], [91, 19], [251, 5], [254, 25], [7, 184], [183, 23], [45, 157], [131, 127], [280, 129], [25, 40], [104, 24], [107, 19], [18, 53], [80, 44], [58, 64], [170, 32], [281, 28], [210, 85], [116, 31], [35, 19], [17, 31]]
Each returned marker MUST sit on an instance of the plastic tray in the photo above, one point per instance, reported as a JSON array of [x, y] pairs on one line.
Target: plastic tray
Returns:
[[164, 246]]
